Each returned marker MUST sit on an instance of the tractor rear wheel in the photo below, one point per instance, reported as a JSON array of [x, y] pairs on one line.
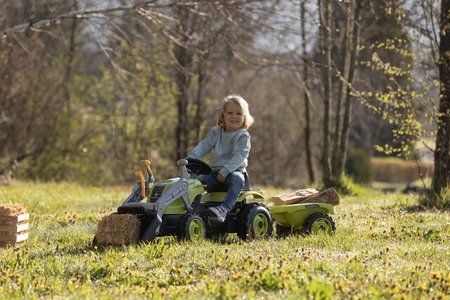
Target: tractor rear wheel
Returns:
[[256, 222], [319, 222], [194, 228]]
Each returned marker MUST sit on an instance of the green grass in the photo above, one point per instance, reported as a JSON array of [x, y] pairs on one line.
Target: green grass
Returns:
[[378, 251]]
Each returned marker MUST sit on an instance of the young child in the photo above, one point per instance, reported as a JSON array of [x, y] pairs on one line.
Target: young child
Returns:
[[229, 142]]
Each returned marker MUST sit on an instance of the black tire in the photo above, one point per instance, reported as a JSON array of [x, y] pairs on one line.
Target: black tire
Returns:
[[319, 222], [192, 228], [256, 222], [283, 231]]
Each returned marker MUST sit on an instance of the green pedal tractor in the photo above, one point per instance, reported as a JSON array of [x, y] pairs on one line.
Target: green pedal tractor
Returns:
[[180, 207]]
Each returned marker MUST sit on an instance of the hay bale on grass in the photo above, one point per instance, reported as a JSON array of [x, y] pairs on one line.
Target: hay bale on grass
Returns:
[[118, 229], [308, 196]]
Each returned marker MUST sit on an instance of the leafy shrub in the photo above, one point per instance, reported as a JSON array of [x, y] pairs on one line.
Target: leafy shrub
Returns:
[[358, 166], [349, 187]]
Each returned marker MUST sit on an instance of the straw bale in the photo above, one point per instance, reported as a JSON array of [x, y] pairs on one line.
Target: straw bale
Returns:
[[116, 229], [327, 196], [11, 209]]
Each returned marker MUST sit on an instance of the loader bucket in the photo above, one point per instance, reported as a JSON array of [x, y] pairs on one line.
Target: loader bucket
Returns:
[[149, 221]]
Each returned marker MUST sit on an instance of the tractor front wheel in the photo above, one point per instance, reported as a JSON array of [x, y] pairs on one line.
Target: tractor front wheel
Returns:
[[319, 222], [193, 229], [256, 223]]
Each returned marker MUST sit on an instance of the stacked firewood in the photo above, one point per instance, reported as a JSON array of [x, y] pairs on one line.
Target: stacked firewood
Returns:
[[307, 196], [13, 224]]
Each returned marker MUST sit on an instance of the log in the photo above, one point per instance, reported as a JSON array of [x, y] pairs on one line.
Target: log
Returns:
[[291, 198], [6, 240], [8, 220], [14, 228], [308, 196]]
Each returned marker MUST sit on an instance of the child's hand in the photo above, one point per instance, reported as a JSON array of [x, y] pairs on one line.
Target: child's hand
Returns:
[[220, 178]]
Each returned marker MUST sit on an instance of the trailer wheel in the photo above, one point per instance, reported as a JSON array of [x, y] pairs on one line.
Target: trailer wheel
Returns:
[[193, 229], [319, 222], [256, 223]]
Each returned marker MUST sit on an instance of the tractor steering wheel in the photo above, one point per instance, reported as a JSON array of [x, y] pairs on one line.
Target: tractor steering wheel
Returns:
[[198, 167]]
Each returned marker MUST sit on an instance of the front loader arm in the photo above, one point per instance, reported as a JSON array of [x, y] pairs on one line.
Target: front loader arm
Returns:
[[179, 190]]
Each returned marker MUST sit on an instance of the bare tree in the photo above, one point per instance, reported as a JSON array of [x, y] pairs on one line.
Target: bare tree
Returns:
[[350, 42], [66, 85], [306, 96], [327, 74], [341, 65], [188, 29], [441, 179], [194, 30]]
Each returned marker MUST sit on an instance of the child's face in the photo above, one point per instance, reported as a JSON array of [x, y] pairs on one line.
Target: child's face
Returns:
[[233, 117]]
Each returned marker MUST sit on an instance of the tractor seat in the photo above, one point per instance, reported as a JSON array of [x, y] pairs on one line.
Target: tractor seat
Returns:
[[224, 188]]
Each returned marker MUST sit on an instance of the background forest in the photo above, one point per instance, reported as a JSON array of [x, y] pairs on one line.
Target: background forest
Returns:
[[90, 87]]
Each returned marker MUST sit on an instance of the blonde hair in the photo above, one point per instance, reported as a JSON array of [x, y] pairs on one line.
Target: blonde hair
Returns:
[[239, 101]]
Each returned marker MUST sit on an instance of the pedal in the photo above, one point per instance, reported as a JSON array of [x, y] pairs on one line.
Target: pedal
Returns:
[[216, 219]]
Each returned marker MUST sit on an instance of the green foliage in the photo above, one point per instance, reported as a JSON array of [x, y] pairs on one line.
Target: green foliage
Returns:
[[347, 186], [396, 101], [404, 102], [134, 110], [318, 290], [358, 166], [429, 199], [121, 118]]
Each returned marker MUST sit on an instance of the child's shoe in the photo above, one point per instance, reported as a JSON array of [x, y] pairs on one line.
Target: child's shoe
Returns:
[[220, 212]]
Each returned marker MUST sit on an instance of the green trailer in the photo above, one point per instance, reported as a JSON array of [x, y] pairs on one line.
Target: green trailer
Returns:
[[307, 218]]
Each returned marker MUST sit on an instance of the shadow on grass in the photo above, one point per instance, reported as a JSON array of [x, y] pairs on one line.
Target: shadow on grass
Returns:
[[424, 206]]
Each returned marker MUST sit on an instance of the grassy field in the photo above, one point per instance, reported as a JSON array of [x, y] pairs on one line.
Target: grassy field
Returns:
[[380, 250]]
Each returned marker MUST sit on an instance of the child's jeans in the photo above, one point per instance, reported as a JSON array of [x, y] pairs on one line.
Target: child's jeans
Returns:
[[235, 182]]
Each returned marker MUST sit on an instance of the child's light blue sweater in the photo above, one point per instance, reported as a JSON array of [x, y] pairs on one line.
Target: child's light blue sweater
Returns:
[[230, 150]]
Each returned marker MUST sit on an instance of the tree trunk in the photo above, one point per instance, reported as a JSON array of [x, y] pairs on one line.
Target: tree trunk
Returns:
[[441, 178], [343, 83], [183, 62], [182, 80], [309, 160], [67, 91], [198, 112], [351, 53], [325, 25]]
